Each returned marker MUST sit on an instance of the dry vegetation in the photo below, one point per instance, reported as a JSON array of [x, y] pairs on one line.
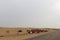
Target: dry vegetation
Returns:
[[14, 34]]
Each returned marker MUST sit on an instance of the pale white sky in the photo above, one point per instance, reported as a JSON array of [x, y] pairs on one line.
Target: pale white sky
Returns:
[[32, 13]]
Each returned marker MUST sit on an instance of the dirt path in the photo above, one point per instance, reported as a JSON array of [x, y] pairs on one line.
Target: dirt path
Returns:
[[51, 36]]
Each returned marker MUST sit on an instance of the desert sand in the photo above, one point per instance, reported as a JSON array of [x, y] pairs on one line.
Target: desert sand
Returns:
[[13, 34]]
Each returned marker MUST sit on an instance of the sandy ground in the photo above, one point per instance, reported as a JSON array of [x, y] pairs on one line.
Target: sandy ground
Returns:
[[14, 35]]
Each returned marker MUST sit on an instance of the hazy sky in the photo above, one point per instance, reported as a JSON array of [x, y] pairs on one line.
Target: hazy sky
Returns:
[[32, 13]]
